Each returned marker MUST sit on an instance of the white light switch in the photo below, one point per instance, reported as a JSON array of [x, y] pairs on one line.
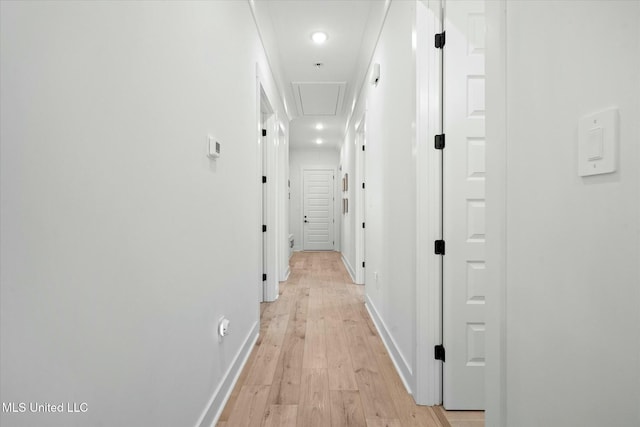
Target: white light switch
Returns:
[[598, 143]]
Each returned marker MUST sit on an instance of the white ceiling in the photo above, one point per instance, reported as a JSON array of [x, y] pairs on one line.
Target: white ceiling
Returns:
[[319, 94]]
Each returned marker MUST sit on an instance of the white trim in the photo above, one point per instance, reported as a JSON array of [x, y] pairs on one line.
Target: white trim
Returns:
[[400, 363], [220, 396], [271, 285], [266, 55], [359, 199], [287, 273], [428, 375], [496, 197], [345, 261]]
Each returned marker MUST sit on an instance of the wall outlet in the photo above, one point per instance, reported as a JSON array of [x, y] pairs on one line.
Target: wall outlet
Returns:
[[223, 326]]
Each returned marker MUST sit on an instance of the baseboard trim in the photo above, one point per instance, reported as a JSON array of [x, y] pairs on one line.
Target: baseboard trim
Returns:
[[212, 413], [349, 269], [286, 275], [400, 363]]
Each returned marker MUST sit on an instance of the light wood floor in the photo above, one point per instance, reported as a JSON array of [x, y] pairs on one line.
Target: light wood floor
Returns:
[[320, 362]]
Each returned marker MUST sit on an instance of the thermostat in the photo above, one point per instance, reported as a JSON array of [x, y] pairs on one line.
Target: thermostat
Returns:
[[213, 151]]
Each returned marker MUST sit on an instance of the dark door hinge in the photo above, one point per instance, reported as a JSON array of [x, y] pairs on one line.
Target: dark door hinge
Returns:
[[363, 148], [264, 228], [439, 247], [264, 277], [363, 185], [440, 39], [362, 264], [439, 352], [264, 179], [264, 132], [363, 225], [439, 141]]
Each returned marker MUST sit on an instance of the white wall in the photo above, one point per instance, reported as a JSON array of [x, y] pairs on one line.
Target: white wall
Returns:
[[314, 157], [390, 186], [573, 244], [122, 244]]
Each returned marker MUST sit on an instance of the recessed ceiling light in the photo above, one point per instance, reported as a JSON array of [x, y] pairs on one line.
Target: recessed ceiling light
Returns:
[[318, 141], [319, 37], [319, 126]]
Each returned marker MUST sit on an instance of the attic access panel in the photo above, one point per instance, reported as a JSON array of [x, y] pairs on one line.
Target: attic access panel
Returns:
[[319, 98]]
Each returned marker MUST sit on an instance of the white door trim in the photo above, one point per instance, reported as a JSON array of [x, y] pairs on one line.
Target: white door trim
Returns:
[[428, 376], [359, 204], [496, 198], [268, 290], [336, 217]]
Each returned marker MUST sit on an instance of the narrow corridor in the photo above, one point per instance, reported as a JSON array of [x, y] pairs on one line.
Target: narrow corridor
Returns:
[[319, 360]]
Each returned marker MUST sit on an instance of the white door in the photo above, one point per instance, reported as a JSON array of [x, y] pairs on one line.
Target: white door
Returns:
[[318, 202], [464, 206]]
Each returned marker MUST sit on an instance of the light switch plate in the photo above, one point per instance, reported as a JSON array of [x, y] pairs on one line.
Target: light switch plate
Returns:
[[598, 143]]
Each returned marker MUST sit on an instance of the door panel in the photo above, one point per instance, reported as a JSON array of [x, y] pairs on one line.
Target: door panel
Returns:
[[464, 206], [318, 222]]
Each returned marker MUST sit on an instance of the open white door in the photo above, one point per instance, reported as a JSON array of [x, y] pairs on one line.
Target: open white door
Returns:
[[464, 206], [318, 221]]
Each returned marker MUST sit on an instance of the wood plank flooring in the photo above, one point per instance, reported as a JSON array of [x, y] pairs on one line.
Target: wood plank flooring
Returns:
[[319, 360]]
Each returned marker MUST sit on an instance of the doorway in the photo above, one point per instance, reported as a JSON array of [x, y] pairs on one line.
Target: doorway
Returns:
[[268, 149], [318, 198]]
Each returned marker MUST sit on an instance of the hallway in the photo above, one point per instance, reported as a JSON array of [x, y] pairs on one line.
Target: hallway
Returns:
[[319, 360], [164, 166]]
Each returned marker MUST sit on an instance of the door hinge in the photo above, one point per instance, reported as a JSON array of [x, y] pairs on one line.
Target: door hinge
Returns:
[[363, 185], [439, 141], [264, 228], [363, 225], [264, 179], [264, 132], [440, 39], [439, 247], [438, 352], [362, 264], [264, 277], [363, 148]]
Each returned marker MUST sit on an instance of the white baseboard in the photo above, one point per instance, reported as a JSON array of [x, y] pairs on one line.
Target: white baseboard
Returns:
[[349, 269], [286, 275], [400, 363], [210, 416]]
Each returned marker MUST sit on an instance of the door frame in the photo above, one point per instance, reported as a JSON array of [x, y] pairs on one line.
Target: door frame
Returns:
[[428, 376], [496, 199], [269, 148], [276, 124], [360, 207], [301, 219]]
